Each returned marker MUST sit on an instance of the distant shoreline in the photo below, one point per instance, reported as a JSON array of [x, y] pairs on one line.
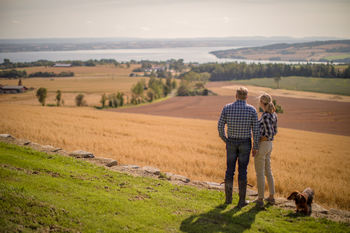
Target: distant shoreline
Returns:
[[316, 51], [72, 44]]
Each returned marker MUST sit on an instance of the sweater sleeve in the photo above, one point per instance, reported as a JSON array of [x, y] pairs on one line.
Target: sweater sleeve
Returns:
[[221, 125]]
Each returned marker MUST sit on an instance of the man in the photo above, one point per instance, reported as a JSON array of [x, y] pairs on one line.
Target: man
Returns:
[[241, 120]]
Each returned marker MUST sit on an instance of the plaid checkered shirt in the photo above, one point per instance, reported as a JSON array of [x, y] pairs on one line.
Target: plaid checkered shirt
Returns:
[[241, 119], [268, 125]]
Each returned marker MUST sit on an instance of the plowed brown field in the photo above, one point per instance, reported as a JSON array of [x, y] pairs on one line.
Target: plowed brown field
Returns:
[[306, 114]]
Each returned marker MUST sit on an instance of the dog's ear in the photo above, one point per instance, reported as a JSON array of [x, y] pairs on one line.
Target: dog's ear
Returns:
[[293, 195]]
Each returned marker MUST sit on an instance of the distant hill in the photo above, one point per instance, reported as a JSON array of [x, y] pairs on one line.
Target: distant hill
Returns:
[[69, 44], [332, 51]]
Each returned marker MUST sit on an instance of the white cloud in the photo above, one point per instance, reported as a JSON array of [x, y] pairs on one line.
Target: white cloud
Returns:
[[226, 19], [145, 28], [16, 21]]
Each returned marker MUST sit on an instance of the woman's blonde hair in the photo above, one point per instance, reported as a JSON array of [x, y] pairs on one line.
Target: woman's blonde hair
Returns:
[[266, 100]]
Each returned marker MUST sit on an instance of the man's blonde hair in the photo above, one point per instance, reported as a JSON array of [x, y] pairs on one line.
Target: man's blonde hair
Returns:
[[242, 93]]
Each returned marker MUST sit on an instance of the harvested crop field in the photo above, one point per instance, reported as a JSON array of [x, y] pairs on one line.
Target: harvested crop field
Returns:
[[189, 147], [305, 114]]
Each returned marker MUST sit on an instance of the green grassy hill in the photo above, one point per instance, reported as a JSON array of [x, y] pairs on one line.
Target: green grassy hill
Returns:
[[43, 193]]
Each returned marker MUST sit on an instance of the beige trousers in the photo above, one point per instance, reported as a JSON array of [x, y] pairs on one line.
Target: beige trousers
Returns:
[[263, 168]]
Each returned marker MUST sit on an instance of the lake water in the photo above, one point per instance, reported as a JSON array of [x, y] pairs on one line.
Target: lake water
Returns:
[[189, 54]]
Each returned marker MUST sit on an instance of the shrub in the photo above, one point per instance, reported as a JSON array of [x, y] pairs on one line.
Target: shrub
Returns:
[[79, 100], [58, 97], [41, 94]]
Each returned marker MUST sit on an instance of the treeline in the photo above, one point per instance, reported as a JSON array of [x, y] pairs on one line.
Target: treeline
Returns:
[[51, 74], [193, 84], [7, 64], [154, 89], [23, 74], [174, 64], [141, 92], [13, 74], [236, 71]]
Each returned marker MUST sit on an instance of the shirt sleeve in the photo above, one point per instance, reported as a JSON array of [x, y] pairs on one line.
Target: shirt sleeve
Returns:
[[221, 125], [275, 125], [256, 130], [266, 125]]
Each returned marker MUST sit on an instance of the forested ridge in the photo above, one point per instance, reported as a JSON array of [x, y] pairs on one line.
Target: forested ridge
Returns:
[[237, 71]]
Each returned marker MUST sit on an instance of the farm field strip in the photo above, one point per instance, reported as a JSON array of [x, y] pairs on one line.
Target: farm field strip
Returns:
[[332, 86], [91, 81], [305, 114], [186, 146]]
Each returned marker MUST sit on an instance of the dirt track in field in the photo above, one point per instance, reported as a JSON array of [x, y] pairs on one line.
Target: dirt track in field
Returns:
[[305, 114]]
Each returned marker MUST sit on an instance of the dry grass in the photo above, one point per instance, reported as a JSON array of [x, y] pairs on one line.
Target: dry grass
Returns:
[[186, 146], [85, 71], [91, 81]]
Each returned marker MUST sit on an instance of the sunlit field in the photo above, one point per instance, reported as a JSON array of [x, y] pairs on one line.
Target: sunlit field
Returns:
[[186, 146], [336, 86], [91, 81], [227, 89]]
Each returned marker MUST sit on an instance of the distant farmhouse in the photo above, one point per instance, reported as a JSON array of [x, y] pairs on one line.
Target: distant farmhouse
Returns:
[[12, 89], [155, 68], [62, 65]]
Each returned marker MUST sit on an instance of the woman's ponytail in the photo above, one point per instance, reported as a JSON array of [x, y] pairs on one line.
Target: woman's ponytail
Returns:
[[266, 100]]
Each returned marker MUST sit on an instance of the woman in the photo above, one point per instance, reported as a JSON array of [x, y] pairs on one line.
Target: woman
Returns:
[[268, 129]]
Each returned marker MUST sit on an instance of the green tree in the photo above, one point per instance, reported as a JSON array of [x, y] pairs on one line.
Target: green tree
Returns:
[[120, 98], [184, 89], [58, 97], [150, 95], [159, 89], [41, 94], [79, 100], [137, 92], [173, 84], [112, 101], [277, 80], [168, 83], [279, 108], [103, 100]]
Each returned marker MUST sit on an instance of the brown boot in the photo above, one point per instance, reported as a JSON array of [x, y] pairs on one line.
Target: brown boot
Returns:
[[242, 186], [228, 192]]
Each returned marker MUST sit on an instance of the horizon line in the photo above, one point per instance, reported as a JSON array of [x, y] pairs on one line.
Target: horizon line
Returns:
[[181, 38]]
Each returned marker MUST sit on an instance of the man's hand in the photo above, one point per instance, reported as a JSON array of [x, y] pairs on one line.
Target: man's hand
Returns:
[[255, 152]]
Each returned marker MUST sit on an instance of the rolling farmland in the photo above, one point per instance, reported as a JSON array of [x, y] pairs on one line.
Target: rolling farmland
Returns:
[[189, 147]]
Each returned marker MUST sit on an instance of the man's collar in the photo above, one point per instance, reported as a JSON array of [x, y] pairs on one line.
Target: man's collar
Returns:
[[241, 101]]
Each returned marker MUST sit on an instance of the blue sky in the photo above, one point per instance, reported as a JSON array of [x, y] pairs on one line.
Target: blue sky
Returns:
[[173, 18]]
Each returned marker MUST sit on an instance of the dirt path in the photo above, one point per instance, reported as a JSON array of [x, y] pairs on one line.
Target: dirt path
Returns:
[[304, 114]]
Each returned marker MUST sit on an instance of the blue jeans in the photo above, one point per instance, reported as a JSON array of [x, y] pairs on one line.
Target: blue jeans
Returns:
[[237, 149]]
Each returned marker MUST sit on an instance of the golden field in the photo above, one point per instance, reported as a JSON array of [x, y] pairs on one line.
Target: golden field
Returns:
[[186, 146], [91, 81]]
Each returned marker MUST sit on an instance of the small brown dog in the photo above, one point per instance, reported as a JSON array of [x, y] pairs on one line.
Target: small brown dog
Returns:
[[303, 200]]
